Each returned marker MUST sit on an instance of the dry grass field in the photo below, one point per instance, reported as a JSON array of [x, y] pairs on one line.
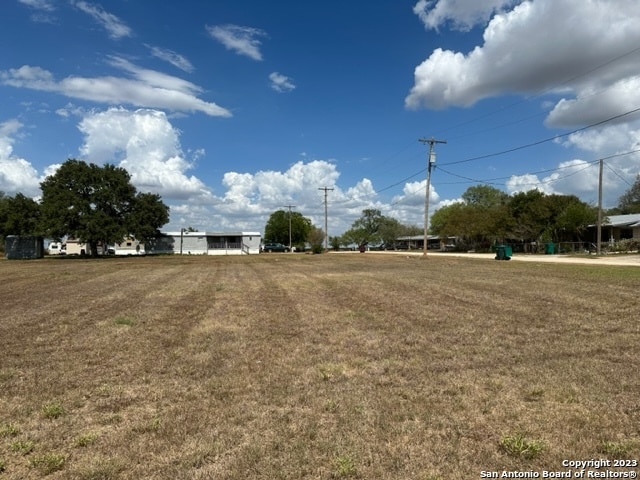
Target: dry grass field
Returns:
[[314, 367]]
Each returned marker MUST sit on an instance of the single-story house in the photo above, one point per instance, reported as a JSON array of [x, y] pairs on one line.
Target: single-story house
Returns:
[[205, 243], [416, 242], [128, 246], [619, 227]]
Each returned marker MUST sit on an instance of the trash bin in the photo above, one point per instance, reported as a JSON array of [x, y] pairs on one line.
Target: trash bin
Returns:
[[503, 252], [549, 248]]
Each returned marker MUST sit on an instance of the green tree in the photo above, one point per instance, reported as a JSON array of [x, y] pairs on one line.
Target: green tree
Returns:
[[367, 228], [390, 229], [19, 215], [441, 222], [484, 196], [567, 217], [355, 235], [574, 220], [316, 239], [370, 221], [530, 213], [373, 227], [481, 218], [277, 228], [148, 213], [97, 204]]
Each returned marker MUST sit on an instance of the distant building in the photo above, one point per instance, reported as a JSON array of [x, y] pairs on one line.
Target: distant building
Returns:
[[619, 227], [205, 243], [434, 242], [128, 246]]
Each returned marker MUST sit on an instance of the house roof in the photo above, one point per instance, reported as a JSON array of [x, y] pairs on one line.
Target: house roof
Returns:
[[631, 220], [419, 237], [213, 234]]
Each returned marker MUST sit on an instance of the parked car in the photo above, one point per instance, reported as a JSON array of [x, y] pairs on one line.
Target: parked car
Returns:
[[57, 248], [274, 247]]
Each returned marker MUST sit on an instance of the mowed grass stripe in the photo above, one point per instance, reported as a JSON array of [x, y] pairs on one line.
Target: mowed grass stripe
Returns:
[[330, 366]]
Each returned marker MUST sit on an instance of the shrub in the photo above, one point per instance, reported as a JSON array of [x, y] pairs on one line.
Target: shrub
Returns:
[[124, 321], [52, 410], [626, 245], [85, 440], [23, 447], [48, 463], [345, 466], [615, 449], [519, 446], [8, 430]]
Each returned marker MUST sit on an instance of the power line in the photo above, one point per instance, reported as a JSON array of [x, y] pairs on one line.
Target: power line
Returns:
[[618, 175], [546, 140], [511, 105], [492, 181], [521, 147]]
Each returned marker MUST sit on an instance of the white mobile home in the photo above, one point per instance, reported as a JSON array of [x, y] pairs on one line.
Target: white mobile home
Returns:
[[205, 243], [76, 247], [128, 246]]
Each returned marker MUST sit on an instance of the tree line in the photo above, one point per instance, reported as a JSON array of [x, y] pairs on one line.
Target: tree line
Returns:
[[94, 204], [484, 215], [487, 215]]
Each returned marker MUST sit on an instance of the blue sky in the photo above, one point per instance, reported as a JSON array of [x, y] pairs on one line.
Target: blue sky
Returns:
[[232, 110]]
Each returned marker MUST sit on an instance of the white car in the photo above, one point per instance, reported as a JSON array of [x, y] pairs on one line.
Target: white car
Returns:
[[57, 248]]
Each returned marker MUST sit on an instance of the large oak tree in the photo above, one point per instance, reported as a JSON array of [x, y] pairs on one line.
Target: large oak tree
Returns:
[[277, 228], [98, 204]]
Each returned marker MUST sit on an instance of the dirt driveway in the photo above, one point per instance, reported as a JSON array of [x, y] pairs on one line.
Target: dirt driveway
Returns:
[[611, 259]]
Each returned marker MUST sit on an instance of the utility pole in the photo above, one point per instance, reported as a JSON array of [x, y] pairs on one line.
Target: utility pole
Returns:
[[430, 162], [326, 227], [599, 247], [290, 207]]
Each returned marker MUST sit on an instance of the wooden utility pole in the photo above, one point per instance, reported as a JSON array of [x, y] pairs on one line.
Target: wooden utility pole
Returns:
[[290, 207], [599, 247], [326, 221], [431, 160]]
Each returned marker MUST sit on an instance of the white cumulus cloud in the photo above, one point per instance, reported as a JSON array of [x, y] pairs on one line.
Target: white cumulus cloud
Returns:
[[461, 14], [144, 143], [16, 173], [537, 45]]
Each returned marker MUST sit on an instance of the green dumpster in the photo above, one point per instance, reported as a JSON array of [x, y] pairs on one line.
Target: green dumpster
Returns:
[[549, 248], [503, 252]]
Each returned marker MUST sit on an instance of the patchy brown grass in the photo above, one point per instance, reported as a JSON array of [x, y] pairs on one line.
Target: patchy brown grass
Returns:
[[317, 367]]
